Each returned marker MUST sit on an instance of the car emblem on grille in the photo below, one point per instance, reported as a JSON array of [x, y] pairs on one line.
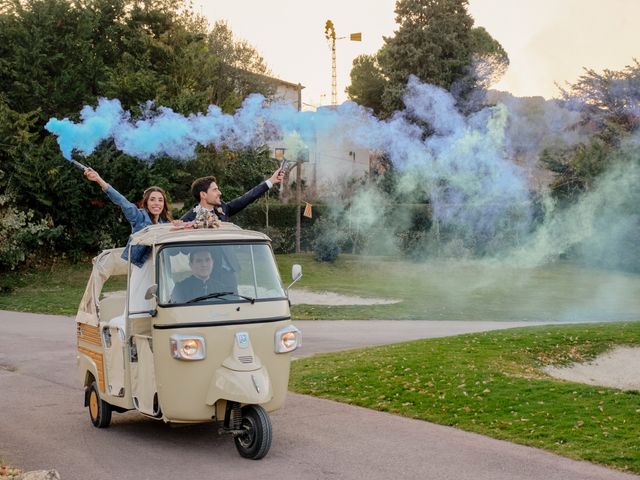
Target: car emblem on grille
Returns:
[[243, 339]]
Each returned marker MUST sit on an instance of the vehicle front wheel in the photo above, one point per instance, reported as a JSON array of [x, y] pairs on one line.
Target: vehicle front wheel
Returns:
[[99, 410], [255, 441]]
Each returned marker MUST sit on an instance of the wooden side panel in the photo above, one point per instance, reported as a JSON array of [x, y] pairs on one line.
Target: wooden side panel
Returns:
[[99, 361], [89, 334]]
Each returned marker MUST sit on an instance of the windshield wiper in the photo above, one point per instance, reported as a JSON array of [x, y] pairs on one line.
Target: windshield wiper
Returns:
[[218, 295]]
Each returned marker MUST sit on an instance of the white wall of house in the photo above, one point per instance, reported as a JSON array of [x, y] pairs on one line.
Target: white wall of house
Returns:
[[329, 161], [332, 162], [289, 93]]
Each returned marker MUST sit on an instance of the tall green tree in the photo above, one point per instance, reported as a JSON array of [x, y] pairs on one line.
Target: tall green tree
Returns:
[[367, 82], [49, 60], [436, 42], [239, 70], [433, 42], [57, 56], [489, 62]]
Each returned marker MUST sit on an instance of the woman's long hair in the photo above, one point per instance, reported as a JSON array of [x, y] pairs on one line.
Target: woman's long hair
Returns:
[[165, 214]]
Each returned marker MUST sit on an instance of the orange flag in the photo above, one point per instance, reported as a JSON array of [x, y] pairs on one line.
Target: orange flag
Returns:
[[307, 210]]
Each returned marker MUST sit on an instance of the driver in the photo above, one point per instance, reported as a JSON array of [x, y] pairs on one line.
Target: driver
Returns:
[[201, 281]]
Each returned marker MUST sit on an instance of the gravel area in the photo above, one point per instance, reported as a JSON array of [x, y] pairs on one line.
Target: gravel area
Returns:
[[618, 368], [307, 297]]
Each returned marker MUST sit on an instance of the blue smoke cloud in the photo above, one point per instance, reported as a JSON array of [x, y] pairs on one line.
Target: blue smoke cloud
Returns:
[[97, 125], [463, 165]]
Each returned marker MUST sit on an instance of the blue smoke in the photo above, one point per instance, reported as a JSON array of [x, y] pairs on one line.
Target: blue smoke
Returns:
[[463, 165], [97, 125]]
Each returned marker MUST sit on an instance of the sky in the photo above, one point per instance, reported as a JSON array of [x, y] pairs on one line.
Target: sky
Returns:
[[548, 41]]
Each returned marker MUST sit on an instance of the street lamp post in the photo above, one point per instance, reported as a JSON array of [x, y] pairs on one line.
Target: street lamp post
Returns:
[[303, 156], [298, 202], [278, 154]]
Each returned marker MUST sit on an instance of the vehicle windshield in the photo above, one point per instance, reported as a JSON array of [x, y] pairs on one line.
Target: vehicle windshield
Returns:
[[215, 273]]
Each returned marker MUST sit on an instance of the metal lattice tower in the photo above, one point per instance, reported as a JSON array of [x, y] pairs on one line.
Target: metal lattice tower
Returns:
[[330, 35]]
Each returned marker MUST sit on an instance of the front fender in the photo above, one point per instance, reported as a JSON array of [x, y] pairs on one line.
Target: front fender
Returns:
[[252, 387]]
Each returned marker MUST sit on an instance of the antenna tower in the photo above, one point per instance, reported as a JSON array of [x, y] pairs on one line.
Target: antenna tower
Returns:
[[330, 35]]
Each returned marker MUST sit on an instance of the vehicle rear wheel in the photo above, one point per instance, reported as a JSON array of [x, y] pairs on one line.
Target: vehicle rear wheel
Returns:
[[99, 410], [255, 441]]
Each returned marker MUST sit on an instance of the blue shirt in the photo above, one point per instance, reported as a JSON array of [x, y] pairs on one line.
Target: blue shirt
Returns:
[[139, 219]]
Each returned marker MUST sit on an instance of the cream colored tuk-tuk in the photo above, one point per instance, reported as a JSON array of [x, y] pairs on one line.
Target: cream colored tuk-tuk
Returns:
[[210, 339]]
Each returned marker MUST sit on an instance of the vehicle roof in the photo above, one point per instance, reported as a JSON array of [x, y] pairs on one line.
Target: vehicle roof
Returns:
[[169, 233]]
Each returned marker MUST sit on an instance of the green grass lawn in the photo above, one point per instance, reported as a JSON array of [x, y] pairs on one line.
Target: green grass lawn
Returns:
[[467, 290], [490, 383], [431, 291], [57, 289]]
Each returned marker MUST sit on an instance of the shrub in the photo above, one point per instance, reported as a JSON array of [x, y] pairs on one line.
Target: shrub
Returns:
[[283, 240], [326, 246], [326, 249], [19, 237], [282, 224]]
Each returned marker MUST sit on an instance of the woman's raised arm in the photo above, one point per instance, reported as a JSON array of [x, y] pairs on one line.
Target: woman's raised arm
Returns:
[[131, 212]]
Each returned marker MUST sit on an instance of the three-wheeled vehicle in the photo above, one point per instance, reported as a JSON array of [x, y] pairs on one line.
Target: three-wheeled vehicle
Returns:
[[204, 348]]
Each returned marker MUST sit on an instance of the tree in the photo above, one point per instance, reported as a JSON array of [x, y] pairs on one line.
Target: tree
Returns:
[[49, 59], [489, 62], [609, 106], [576, 169], [367, 83], [609, 101], [24, 233], [239, 71], [56, 56], [437, 43], [432, 42]]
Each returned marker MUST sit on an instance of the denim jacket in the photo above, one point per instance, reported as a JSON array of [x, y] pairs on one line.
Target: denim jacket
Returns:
[[139, 219]]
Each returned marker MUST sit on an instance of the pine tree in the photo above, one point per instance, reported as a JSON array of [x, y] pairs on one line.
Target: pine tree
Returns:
[[436, 42]]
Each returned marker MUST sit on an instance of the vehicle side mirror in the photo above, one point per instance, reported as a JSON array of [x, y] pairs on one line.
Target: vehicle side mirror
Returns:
[[151, 292], [296, 274]]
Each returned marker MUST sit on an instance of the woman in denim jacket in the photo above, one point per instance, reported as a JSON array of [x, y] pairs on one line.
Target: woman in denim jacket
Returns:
[[155, 210]]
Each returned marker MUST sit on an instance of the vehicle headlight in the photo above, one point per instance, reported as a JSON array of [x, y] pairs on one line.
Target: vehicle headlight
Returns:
[[288, 339], [187, 347]]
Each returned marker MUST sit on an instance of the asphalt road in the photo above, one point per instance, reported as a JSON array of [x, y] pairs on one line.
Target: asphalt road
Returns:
[[44, 425]]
